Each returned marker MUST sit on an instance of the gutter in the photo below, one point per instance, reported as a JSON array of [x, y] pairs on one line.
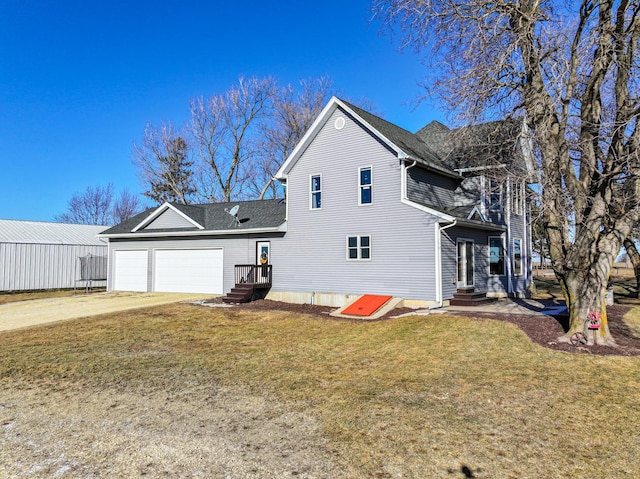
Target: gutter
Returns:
[[159, 234]]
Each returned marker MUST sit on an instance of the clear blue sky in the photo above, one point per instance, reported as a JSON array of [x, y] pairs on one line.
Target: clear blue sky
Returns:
[[80, 79]]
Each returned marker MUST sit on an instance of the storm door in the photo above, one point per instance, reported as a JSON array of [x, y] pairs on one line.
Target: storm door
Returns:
[[465, 263]]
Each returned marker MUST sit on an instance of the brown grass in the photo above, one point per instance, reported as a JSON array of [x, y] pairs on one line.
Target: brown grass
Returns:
[[430, 396], [6, 297]]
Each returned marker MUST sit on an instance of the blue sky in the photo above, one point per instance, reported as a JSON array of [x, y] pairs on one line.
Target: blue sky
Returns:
[[80, 79]]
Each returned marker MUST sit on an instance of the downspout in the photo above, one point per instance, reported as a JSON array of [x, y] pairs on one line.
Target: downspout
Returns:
[[439, 292]]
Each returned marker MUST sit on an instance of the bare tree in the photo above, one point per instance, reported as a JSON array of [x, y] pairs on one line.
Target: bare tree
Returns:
[[293, 112], [223, 129], [572, 67], [98, 205], [90, 207], [163, 165], [125, 206]]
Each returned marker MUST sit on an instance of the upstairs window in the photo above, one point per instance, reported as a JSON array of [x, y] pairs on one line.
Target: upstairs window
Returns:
[[358, 247], [518, 197], [496, 256], [494, 195], [316, 192], [365, 184]]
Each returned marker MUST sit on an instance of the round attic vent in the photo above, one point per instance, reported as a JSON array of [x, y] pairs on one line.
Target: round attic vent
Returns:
[[339, 124]]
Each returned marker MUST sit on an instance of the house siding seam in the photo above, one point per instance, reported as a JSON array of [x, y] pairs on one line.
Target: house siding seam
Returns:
[[401, 264]]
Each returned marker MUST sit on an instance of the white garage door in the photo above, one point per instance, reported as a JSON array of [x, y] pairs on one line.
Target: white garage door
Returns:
[[130, 270], [188, 271]]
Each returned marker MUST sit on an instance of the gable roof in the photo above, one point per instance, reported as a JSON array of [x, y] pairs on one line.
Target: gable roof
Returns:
[[209, 218], [435, 147], [403, 143], [38, 232]]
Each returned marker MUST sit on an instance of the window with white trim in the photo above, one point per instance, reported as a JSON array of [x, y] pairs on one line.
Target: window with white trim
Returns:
[[517, 193], [358, 247], [517, 257], [315, 187], [365, 196], [496, 256], [494, 194]]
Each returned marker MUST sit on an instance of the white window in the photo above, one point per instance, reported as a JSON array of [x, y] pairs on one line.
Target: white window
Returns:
[[517, 257], [365, 186], [518, 197], [358, 247], [494, 195], [316, 192], [496, 256]]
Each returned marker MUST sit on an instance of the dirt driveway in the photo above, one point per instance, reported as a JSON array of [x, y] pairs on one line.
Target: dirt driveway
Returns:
[[40, 311]]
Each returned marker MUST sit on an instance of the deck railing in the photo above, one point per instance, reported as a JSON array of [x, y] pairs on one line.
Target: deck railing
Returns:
[[257, 274]]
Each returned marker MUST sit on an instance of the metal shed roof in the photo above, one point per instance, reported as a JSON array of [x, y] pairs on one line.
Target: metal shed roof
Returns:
[[36, 232]]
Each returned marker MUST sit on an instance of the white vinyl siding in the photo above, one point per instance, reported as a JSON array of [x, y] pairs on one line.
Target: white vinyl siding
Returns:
[[402, 238], [188, 271], [365, 185], [130, 270]]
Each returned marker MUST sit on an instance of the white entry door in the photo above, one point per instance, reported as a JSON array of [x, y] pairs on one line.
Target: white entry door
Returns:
[[188, 271], [465, 263], [130, 270]]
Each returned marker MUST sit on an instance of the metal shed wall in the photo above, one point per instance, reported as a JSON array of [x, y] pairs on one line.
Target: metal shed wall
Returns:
[[33, 266]]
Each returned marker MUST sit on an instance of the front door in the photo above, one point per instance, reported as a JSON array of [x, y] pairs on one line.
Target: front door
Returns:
[[465, 263], [262, 257]]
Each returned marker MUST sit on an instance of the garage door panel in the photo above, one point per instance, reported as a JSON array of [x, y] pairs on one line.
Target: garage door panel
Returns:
[[130, 270], [188, 271]]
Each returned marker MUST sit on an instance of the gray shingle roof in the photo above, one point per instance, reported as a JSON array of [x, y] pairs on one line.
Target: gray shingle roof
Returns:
[[411, 144], [258, 214], [487, 144]]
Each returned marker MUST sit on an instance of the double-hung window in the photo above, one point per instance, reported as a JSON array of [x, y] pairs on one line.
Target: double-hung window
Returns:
[[496, 256], [358, 247], [365, 186], [316, 192], [517, 257], [518, 197], [495, 195]]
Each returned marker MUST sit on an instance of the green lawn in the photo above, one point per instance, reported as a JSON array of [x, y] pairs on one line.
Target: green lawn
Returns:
[[430, 396]]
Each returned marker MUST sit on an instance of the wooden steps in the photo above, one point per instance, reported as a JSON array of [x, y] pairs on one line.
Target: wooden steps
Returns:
[[469, 297], [241, 293]]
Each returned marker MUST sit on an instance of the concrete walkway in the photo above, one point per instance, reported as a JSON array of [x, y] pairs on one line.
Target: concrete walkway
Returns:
[[23, 314], [512, 307]]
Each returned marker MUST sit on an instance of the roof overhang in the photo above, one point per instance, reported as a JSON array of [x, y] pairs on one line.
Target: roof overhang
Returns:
[[226, 232]]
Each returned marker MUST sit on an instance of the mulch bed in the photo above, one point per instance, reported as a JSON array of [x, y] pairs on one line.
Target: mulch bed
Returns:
[[543, 330]]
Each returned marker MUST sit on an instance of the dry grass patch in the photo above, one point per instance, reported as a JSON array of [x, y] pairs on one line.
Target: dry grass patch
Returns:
[[430, 396], [15, 297]]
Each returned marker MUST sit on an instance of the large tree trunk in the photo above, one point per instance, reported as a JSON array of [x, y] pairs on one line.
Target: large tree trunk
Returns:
[[634, 257], [584, 276], [585, 295]]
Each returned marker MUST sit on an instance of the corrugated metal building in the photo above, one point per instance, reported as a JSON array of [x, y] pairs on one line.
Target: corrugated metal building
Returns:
[[38, 255]]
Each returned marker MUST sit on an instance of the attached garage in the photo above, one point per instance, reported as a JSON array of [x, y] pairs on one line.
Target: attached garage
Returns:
[[188, 271], [130, 270], [192, 248]]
